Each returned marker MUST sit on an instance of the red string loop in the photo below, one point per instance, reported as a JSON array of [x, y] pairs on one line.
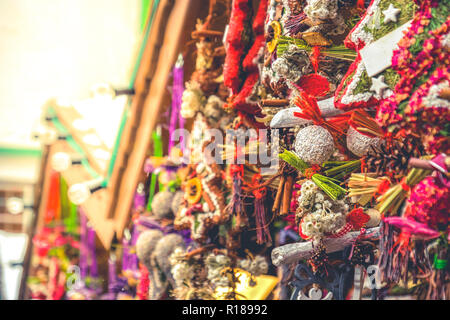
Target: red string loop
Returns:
[[383, 187], [237, 169], [314, 169], [259, 193]]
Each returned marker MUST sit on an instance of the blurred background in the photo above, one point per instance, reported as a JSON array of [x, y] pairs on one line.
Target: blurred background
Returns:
[[55, 50]]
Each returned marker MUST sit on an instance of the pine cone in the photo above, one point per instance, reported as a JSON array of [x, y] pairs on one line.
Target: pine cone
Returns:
[[392, 161], [319, 258]]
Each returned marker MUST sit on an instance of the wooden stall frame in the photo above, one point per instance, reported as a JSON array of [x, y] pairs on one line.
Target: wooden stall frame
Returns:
[[179, 22]]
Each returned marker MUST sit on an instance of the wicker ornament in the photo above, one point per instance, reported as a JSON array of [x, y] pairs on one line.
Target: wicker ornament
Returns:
[[360, 144], [145, 245], [161, 204], [314, 144], [375, 218]]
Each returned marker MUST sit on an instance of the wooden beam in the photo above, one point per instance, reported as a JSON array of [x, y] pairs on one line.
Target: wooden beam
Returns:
[[67, 115], [95, 206], [179, 26], [144, 77]]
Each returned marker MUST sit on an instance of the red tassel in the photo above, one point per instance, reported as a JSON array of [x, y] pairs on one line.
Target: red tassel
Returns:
[[262, 227], [236, 206], [314, 84]]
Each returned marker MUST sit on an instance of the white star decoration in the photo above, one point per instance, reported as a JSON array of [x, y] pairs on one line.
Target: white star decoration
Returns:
[[378, 85], [390, 14]]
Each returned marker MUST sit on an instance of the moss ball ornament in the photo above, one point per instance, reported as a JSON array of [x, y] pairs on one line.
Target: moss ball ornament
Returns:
[[314, 144], [360, 144], [162, 204], [145, 245]]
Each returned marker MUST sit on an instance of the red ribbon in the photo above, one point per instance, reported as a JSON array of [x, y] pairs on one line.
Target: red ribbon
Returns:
[[237, 169], [383, 187], [310, 111], [144, 283], [315, 56], [363, 164], [300, 232], [53, 200], [402, 242]]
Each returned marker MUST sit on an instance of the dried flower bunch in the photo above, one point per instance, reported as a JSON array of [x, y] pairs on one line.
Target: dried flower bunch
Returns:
[[362, 144]]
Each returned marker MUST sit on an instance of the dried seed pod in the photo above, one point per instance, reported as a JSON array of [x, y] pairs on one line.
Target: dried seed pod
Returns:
[[162, 203], [145, 245], [321, 9], [177, 200], [164, 249], [319, 258]]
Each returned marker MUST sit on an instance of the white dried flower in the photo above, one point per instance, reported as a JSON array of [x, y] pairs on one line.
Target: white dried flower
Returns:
[[213, 109], [222, 282], [244, 264], [321, 9], [317, 224], [222, 259], [319, 197], [192, 100], [213, 273]]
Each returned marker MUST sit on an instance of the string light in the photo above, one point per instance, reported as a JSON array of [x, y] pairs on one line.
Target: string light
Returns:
[[61, 161], [79, 193], [48, 135], [15, 205], [105, 89]]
